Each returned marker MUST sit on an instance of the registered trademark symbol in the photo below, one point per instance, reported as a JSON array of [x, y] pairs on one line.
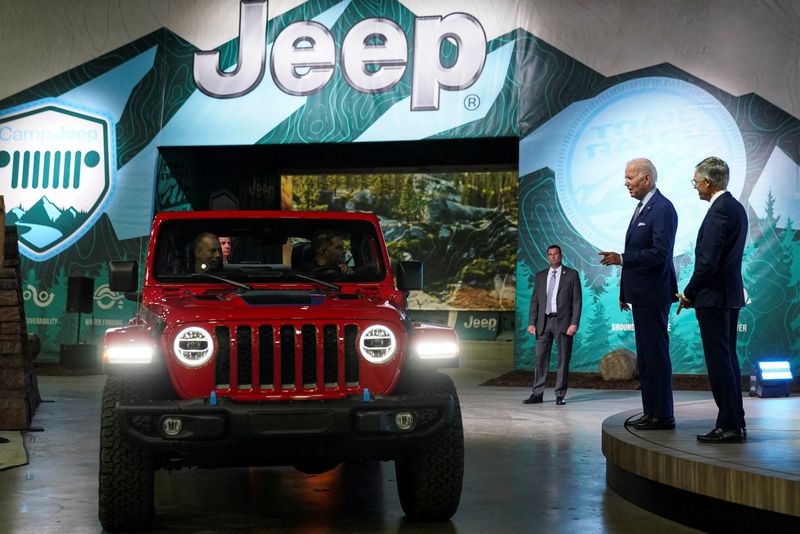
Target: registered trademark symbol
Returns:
[[472, 102]]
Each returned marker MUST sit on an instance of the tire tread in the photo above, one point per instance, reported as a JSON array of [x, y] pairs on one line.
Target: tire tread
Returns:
[[430, 479]]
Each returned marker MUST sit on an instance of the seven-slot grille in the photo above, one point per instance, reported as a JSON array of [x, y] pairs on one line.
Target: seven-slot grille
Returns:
[[286, 356], [46, 169]]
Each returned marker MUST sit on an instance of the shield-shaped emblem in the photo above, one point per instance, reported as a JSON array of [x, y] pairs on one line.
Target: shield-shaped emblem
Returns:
[[56, 168]]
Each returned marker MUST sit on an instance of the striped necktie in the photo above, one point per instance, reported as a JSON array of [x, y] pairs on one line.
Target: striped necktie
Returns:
[[551, 286], [636, 214]]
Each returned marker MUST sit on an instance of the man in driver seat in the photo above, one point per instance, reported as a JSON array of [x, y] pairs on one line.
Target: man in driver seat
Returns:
[[207, 253], [327, 251]]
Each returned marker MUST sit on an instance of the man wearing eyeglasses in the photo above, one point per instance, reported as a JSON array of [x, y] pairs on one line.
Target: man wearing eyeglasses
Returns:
[[646, 286], [716, 292]]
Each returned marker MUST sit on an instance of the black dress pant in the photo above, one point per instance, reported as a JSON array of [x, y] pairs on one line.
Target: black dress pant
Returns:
[[652, 359], [718, 328]]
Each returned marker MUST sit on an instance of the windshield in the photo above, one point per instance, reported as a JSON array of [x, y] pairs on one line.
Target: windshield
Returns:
[[265, 250]]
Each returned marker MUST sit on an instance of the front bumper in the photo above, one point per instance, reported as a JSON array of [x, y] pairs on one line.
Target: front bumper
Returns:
[[193, 432]]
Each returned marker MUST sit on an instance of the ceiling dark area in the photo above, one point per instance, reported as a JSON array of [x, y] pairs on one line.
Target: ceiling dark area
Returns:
[[439, 155]]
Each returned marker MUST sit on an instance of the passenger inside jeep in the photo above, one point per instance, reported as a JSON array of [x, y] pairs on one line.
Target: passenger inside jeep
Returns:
[[326, 254], [207, 253], [269, 250]]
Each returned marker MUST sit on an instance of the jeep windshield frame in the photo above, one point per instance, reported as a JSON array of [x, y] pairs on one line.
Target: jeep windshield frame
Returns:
[[270, 250]]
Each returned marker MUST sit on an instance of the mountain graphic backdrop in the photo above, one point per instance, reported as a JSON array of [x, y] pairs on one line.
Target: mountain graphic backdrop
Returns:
[[44, 223]]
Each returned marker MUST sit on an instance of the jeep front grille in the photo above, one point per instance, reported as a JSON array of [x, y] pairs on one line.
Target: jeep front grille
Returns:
[[281, 357]]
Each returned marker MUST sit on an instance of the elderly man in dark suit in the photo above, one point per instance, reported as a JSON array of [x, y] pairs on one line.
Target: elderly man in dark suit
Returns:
[[555, 313], [646, 284], [716, 293]]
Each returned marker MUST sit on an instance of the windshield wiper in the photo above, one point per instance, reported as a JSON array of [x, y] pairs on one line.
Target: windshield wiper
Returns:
[[275, 274], [223, 279], [318, 281]]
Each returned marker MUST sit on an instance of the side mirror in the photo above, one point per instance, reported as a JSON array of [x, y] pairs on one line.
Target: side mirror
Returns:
[[123, 276], [409, 275]]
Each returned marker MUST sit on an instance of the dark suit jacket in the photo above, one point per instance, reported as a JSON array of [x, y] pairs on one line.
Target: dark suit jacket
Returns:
[[648, 274], [717, 278], [568, 300]]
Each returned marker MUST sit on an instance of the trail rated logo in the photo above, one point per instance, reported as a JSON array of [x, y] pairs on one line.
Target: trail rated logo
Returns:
[[673, 123], [55, 173]]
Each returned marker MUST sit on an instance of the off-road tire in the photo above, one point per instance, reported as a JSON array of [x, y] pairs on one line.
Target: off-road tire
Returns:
[[126, 472], [429, 478]]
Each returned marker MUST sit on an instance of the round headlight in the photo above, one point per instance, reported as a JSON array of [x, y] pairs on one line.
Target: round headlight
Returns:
[[193, 346], [377, 344]]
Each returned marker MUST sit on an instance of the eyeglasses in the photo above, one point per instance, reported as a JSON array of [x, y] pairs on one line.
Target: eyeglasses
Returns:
[[695, 182]]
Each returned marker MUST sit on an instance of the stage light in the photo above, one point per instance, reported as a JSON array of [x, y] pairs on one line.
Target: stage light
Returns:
[[770, 379]]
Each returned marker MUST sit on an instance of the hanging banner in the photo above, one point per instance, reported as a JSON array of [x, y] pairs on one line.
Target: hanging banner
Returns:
[[84, 157]]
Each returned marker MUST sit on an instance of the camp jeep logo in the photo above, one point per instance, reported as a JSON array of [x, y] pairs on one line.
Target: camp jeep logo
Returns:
[[55, 173]]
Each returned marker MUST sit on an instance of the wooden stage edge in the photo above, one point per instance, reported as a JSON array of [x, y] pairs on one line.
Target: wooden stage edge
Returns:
[[712, 486]]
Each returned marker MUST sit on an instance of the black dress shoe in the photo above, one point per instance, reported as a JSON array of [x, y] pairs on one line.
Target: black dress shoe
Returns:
[[560, 401], [656, 423], [737, 435], [640, 419], [533, 399]]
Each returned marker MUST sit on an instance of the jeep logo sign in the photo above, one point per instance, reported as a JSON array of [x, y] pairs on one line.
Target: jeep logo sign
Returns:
[[55, 174], [477, 325], [374, 57]]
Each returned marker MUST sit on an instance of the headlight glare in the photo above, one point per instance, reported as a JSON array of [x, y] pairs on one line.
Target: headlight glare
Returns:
[[429, 350], [130, 354], [378, 344], [193, 346]]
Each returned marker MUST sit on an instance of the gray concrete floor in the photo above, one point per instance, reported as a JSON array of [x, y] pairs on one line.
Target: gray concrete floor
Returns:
[[529, 468]]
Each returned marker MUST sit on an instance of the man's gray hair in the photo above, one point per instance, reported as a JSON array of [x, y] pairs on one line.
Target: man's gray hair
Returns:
[[645, 166], [715, 170]]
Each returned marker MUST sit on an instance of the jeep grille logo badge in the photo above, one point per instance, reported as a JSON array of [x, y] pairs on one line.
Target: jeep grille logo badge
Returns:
[[55, 172], [171, 426]]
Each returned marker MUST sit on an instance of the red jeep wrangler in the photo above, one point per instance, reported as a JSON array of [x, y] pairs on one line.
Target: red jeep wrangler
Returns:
[[294, 350]]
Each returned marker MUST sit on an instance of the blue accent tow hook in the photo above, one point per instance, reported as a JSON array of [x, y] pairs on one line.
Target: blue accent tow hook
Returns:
[[365, 395], [212, 399]]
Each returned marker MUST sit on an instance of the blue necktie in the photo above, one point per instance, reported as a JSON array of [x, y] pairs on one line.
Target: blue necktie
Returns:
[[551, 286]]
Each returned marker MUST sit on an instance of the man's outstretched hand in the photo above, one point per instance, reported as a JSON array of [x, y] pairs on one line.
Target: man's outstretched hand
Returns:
[[610, 258]]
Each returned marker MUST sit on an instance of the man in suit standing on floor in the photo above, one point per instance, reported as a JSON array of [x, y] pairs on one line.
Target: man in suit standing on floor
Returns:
[[555, 313], [646, 285], [716, 293]]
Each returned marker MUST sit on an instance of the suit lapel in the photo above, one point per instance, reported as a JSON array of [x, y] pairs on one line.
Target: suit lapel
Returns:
[[561, 281], [649, 207], [717, 205], [543, 284], [645, 212], [643, 215]]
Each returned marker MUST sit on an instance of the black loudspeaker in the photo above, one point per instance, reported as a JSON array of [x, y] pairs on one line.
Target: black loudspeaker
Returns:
[[80, 290]]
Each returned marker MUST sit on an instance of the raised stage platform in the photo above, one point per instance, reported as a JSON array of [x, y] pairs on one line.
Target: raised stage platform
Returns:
[[736, 487]]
